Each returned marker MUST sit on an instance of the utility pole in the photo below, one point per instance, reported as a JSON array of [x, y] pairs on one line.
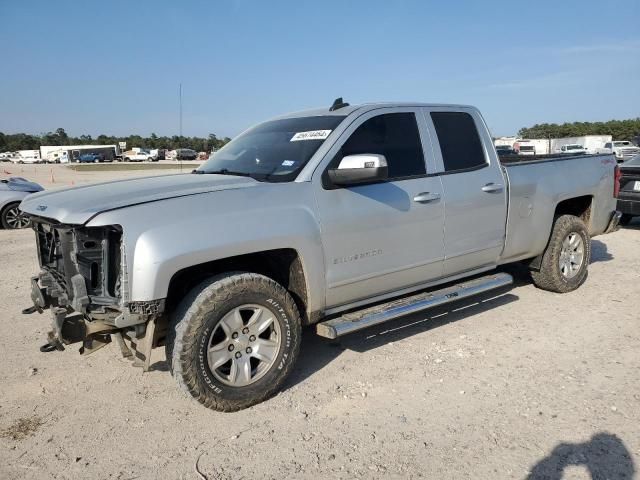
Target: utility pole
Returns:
[[180, 97]]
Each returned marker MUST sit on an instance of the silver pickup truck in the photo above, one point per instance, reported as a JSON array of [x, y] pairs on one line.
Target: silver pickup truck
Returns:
[[342, 217]]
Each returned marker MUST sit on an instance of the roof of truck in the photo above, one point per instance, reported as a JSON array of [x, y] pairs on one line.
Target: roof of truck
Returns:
[[344, 111]]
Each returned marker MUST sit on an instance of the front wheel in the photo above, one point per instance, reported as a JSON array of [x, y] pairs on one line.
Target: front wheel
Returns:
[[234, 340], [565, 262]]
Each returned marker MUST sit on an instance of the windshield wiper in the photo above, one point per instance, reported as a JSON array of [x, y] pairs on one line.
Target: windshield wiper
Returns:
[[222, 171]]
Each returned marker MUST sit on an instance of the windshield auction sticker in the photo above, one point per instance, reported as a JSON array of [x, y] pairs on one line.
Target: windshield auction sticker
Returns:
[[311, 135]]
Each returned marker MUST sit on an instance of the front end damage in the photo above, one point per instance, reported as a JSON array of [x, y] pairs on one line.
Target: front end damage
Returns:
[[83, 282]]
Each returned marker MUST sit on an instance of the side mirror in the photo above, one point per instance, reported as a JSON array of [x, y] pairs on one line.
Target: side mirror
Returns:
[[359, 169]]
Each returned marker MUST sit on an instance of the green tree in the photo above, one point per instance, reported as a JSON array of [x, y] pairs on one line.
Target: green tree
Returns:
[[618, 129]]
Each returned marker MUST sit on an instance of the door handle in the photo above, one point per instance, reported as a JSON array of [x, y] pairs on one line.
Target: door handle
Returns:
[[492, 187], [426, 197]]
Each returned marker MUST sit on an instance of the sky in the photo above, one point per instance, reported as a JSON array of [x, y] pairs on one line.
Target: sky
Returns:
[[115, 67]]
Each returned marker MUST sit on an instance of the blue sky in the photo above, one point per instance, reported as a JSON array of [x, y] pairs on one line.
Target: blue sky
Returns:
[[114, 67]]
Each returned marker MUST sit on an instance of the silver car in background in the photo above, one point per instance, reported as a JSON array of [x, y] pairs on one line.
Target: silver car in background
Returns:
[[12, 191]]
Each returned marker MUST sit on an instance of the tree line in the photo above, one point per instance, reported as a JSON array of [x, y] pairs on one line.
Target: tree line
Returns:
[[24, 141], [618, 129]]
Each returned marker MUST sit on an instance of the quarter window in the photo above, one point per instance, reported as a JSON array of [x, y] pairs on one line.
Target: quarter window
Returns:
[[394, 135], [459, 141]]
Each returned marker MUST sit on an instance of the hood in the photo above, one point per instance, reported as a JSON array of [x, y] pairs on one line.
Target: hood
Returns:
[[78, 205], [19, 184]]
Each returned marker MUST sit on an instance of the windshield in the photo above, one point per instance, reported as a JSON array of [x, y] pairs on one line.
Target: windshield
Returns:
[[621, 144], [574, 147], [274, 151]]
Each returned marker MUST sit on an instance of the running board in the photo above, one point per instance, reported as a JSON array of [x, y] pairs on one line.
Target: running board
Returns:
[[354, 321]]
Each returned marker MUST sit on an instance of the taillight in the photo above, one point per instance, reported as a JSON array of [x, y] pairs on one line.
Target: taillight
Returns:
[[617, 175]]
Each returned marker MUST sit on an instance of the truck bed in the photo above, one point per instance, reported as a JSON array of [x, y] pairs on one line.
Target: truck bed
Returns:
[[537, 185], [529, 159]]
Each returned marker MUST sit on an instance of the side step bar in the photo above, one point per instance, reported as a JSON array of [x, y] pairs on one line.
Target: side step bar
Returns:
[[354, 321]]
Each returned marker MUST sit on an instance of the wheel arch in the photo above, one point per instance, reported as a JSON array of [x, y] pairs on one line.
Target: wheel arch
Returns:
[[283, 265], [576, 206], [580, 207]]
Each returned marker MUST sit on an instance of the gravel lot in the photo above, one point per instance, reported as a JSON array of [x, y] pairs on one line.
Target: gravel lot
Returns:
[[524, 384]]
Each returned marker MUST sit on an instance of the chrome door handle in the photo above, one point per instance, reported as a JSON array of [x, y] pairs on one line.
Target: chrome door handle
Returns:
[[426, 197], [492, 187]]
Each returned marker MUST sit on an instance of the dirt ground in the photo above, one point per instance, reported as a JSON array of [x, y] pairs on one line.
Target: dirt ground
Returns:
[[60, 176], [523, 384]]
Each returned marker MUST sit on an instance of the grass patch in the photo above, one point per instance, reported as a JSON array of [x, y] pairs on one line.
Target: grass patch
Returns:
[[119, 167]]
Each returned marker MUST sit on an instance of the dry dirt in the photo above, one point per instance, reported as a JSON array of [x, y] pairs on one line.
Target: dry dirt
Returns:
[[526, 384]]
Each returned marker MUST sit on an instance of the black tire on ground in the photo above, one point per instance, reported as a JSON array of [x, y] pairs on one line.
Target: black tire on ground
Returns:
[[126, 159], [549, 276], [4, 217], [625, 219], [194, 323]]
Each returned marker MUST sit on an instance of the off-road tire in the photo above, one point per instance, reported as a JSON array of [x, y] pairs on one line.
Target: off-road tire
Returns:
[[625, 219], [549, 277], [199, 312]]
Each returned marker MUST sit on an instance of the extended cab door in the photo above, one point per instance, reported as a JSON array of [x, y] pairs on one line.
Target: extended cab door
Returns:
[[386, 236], [475, 190]]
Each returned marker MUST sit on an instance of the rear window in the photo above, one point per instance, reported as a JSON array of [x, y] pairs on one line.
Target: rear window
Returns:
[[459, 141]]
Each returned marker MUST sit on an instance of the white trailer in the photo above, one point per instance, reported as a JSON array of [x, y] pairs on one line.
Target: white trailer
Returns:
[[57, 153], [534, 146], [26, 156], [591, 143]]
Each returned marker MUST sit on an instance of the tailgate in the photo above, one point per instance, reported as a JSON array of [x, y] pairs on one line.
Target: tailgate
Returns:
[[630, 184]]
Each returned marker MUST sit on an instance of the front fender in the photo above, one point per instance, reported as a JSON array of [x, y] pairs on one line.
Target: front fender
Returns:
[[162, 238]]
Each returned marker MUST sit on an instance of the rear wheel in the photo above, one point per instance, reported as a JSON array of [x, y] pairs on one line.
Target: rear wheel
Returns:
[[625, 219], [12, 217], [233, 340], [564, 265]]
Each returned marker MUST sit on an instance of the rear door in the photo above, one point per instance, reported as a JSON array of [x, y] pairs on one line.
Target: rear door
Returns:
[[474, 188], [387, 236]]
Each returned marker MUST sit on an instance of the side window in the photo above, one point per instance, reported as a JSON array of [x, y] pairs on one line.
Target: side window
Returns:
[[607, 145], [459, 141], [394, 135]]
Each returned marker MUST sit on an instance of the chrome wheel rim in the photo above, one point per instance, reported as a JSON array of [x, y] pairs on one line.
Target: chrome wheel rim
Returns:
[[571, 255], [244, 345], [15, 218]]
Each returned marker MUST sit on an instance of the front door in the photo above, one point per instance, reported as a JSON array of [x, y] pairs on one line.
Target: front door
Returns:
[[386, 236]]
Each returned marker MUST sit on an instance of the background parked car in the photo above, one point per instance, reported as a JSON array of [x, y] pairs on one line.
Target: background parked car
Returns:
[[622, 149], [158, 153], [186, 154], [505, 150], [572, 149], [629, 198], [90, 157], [138, 155], [12, 191]]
